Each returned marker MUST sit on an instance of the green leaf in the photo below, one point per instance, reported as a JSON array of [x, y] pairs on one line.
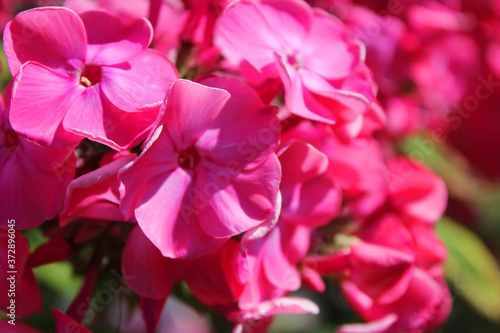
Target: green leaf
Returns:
[[35, 237], [59, 277], [471, 268]]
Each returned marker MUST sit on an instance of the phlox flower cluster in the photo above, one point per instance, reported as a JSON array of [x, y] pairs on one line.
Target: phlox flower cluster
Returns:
[[232, 151]]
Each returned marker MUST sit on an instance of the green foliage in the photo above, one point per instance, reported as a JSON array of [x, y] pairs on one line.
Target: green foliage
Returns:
[[471, 268]]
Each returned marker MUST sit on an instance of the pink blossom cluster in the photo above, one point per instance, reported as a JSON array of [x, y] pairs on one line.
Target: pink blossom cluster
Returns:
[[240, 149], [436, 64]]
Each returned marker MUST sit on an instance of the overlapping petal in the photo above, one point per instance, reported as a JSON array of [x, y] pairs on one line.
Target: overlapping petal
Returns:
[[36, 35]]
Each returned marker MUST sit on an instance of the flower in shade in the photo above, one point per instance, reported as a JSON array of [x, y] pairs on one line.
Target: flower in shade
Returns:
[[31, 174]]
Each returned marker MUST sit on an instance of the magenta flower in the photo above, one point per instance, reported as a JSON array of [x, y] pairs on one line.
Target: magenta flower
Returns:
[[415, 192], [311, 199], [95, 195], [322, 70], [357, 166], [84, 76], [219, 278], [31, 174], [394, 282], [208, 172], [311, 196], [168, 21]]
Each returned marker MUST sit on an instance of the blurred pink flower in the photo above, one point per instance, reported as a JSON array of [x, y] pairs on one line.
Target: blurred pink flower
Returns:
[[395, 282], [415, 192]]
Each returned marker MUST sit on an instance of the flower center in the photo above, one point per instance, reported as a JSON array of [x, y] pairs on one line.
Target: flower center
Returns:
[[91, 75], [294, 60], [9, 140], [188, 158]]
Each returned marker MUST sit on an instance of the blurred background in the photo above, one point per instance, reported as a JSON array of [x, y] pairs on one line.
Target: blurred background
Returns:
[[439, 82]]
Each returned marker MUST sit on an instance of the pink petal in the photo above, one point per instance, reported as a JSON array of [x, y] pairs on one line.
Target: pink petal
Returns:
[[431, 253], [382, 325], [264, 228], [310, 196], [312, 161], [296, 16], [329, 264], [191, 109], [278, 269], [41, 97], [151, 310], [317, 202], [258, 288], [172, 18], [145, 270], [111, 41], [245, 132], [247, 26], [99, 210], [47, 158], [298, 99], [166, 216], [89, 231], [85, 116], [22, 247], [421, 305], [415, 191], [87, 191], [28, 298], [219, 278], [55, 250], [231, 203], [157, 159], [348, 104], [360, 302], [93, 116], [443, 309], [65, 323], [80, 304], [257, 326], [24, 183], [356, 166], [382, 273], [350, 129], [273, 307], [312, 280], [295, 241], [81, 5], [142, 81], [326, 51], [374, 119], [400, 238], [52, 36]]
